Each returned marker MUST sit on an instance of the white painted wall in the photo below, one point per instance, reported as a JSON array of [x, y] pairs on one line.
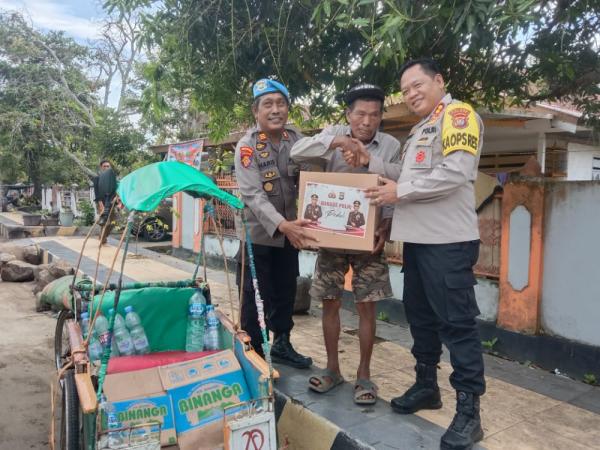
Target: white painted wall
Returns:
[[187, 222], [580, 161], [570, 304]]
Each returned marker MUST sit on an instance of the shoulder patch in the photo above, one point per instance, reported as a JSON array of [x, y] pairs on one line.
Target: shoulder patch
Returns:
[[246, 156], [460, 129]]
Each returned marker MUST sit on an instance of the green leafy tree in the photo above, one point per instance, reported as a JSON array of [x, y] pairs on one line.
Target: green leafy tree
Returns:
[[206, 54], [46, 104], [53, 129]]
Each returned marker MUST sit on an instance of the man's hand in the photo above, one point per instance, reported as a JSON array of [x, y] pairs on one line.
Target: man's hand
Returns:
[[354, 151], [382, 235], [384, 194], [356, 154], [297, 235]]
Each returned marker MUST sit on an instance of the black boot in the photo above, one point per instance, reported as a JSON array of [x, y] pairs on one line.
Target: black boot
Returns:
[[282, 352], [424, 394], [465, 428]]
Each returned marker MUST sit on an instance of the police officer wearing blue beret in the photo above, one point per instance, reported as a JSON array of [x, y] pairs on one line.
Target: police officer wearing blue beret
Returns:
[[267, 183]]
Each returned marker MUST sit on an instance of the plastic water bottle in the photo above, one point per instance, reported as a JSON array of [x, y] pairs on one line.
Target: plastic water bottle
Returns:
[[212, 336], [115, 438], [94, 348], [84, 323], [136, 330], [101, 329], [194, 338], [122, 336]]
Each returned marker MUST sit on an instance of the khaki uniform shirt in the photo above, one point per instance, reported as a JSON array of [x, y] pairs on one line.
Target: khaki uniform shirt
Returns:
[[316, 149], [436, 197], [267, 184]]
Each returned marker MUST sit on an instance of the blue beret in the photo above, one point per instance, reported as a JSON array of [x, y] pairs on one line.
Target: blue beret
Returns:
[[266, 86]]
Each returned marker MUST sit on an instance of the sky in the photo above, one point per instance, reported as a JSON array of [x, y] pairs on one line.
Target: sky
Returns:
[[80, 19]]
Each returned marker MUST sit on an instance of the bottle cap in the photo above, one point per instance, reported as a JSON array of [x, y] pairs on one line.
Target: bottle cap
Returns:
[[128, 308]]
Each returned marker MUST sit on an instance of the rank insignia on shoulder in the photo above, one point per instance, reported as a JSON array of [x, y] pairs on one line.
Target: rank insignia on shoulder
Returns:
[[246, 156], [264, 154], [260, 145], [269, 174], [268, 186], [262, 137], [437, 112]]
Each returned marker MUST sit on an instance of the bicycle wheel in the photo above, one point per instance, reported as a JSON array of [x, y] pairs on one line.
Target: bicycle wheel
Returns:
[[70, 424], [62, 347]]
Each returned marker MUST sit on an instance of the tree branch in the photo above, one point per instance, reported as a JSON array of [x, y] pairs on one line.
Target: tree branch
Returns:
[[63, 81], [71, 155]]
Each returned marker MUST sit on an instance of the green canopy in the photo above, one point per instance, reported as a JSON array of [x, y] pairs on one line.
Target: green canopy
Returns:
[[145, 188]]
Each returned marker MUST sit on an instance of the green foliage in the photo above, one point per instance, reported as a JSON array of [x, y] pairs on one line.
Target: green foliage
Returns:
[[489, 345], [221, 162], [590, 378], [383, 316], [87, 217], [207, 54]]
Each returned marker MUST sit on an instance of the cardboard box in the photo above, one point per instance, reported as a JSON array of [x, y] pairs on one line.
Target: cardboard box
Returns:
[[139, 397], [328, 200], [199, 390]]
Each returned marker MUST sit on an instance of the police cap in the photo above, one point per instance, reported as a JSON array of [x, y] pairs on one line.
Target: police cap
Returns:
[[268, 86]]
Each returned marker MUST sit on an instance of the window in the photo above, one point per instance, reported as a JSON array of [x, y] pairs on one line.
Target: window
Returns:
[[596, 168]]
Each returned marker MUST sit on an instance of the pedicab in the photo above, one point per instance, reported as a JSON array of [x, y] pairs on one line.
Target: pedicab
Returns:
[[163, 308]]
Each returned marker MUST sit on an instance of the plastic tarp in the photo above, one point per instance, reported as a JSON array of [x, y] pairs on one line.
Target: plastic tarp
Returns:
[[163, 312], [144, 188]]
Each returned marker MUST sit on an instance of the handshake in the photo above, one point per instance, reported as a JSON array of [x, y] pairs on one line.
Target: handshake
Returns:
[[354, 151]]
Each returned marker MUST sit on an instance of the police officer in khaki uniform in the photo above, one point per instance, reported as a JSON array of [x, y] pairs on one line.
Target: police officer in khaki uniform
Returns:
[[435, 217], [266, 180]]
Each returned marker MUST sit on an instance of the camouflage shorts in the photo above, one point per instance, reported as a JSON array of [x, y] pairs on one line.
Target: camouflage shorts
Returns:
[[370, 276]]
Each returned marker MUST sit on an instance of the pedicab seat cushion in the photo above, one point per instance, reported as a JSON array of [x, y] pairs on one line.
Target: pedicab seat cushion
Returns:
[[139, 362]]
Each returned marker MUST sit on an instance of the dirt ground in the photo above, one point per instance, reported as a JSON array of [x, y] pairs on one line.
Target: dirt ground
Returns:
[[26, 369]]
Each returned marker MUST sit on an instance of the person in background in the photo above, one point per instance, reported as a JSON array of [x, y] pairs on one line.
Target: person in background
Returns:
[[105, 189]]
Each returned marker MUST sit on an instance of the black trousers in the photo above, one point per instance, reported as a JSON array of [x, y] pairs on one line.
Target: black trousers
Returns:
[[440, 305], [276, 270]]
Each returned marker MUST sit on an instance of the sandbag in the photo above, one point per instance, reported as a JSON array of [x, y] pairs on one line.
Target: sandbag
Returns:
[[58, 292]]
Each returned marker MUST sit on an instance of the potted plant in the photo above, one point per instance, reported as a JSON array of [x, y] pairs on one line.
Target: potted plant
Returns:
[[66, 217], [32, 219], [49, 219]]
